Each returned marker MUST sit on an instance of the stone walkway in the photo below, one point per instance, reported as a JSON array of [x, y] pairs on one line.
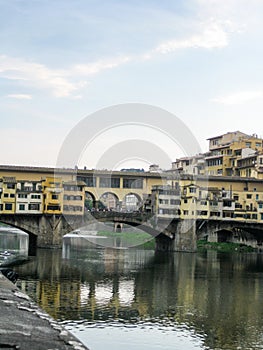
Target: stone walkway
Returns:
[[24, 326]]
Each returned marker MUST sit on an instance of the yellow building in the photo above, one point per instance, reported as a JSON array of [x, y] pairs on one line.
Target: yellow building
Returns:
[[213, 197], [8, 195], [53, 195], [227, 150], [74, 198]]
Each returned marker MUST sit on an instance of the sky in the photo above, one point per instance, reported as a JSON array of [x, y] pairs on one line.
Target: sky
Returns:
[[62, 61]]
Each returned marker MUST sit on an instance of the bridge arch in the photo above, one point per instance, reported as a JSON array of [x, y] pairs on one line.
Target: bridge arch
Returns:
[[90, 200], [224, 236], [110, 200], [131, 202], [32, 237]]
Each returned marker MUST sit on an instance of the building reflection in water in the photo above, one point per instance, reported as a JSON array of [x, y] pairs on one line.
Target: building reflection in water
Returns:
[[218, 296]]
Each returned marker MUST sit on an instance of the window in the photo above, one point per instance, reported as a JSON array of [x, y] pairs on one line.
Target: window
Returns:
[[53, 207], [236, 198], [105, 182], [54, 196], [248, 144], [8, 206], [203, 202], [22, 195], [192, 190], [201, 212], [12, 195], [175, 201], [11, 186], [109, 182], [186, 212], [260, 206], [258, 144], [21, 206], [90, 181], [257, 196], [214, 162], [35, 196], [185, 201], [34, 206], [115, 182], [163, 201], [5, 195], [215, 142], [249, 196], [132, 183], [215, 213], [72, 208]]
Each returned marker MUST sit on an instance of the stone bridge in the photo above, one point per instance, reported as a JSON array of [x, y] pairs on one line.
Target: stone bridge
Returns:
[[170, 235], [225, 230]]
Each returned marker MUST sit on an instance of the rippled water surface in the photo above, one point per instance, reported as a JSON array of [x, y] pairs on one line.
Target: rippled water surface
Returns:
[[136, 299]]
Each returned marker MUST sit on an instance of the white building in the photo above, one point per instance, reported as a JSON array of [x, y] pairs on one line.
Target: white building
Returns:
[[29, 197]]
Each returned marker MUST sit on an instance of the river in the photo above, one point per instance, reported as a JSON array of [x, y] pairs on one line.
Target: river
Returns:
[[138, 299]]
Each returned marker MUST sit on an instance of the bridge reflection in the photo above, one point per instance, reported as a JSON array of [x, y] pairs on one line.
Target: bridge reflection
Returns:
[[218, 296]]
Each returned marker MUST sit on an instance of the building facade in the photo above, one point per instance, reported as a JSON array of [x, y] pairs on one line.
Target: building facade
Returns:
[[213, 197]]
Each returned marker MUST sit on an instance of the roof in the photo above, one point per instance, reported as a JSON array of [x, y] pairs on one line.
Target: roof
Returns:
[[80, 172], [9, 179], [230, 132]]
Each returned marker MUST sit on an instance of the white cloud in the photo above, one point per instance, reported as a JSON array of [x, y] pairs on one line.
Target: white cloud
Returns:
[[36, 75], [96, 67], [61, 83], [238, 97], [213, 35], [67, 82], [20, 96]]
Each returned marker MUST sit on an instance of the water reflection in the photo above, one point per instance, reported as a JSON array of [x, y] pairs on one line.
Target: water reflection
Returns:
[[13, 245], [217, 298]]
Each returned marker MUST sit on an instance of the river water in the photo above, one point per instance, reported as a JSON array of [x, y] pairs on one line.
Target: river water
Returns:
[[138, 299]]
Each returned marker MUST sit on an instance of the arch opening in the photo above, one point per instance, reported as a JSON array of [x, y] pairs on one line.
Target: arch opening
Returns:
[[109, 201], [17, 239], [90, 201], [225, 236], [132, 202]]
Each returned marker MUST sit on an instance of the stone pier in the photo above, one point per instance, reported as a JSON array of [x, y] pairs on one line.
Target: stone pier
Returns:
[[182, 237]]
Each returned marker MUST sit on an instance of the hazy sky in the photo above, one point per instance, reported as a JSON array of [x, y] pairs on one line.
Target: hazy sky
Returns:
[[61, 60]]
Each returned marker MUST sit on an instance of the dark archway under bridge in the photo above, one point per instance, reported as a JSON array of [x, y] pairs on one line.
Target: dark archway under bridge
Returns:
[[242, 232]]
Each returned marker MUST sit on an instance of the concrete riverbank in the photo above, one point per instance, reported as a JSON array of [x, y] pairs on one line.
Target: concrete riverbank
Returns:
[[23, 325]]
